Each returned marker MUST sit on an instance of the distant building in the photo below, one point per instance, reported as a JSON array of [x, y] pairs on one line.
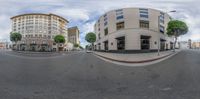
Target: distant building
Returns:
[[73, 35], [196, 45], [4, 45], [184, 45]]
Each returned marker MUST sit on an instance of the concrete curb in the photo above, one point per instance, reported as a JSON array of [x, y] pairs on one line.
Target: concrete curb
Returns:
[[143, 61]]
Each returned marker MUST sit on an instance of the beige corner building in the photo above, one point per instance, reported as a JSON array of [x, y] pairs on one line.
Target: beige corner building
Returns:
[[133, 30], [74, 35], [38, 30], [196, 45]]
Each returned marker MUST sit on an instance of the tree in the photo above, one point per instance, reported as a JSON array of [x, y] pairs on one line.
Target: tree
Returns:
[[176, 28], [15, 37], [76, 45], [91, 38], [59, 39], [81, 47]]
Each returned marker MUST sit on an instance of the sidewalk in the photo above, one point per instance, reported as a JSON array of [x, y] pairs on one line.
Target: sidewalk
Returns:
[[135, 58]]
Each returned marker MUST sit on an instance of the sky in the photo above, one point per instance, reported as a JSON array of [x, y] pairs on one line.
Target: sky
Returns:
[[84, 13]]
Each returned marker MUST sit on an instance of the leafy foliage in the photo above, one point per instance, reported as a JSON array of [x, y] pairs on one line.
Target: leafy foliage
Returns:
[[59, 39], [76, 45], [15, 37], [81, 47], [90, 37], [177, 28]]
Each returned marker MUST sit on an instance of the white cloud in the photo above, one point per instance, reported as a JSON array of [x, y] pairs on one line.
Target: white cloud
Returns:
[[88, 27], [72, 14], [4, 27]]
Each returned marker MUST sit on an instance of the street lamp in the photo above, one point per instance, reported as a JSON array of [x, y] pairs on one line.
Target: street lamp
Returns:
[[159, 30]]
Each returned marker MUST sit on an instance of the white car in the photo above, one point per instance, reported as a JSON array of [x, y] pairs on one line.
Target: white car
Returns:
[[88, 51]]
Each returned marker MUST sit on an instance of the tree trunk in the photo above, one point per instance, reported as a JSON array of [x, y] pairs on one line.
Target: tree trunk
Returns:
[[92, 46], [175, 43], [16, 46]]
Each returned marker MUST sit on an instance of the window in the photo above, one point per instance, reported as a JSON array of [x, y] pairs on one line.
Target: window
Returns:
[[145, 42], [99, 36], [120, 25], [106, 31], [106, 45], [105, 20], [144, 13], [144, 24], [119, 10], [99, 46], [44, 42], [162, 29], [120, 17], [119, 14], [33, 42], [49, 37], [162, 16], [105, 23]]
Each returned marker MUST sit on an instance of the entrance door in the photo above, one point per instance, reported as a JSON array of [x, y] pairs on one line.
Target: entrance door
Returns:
[[106, 45], [43, 48], [33, 48], [145, 42], [121, 43], [99, 46], [162, 44], [171, 45]]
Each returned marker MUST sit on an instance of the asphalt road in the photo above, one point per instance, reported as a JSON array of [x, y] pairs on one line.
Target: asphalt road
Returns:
[[83, 76]]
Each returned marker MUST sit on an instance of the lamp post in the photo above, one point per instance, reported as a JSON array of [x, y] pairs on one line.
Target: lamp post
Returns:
[[159, 30]]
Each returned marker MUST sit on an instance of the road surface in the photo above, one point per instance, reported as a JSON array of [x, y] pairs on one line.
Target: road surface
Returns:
[[84, 76]]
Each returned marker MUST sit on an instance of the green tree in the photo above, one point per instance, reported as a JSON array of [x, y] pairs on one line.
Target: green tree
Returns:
[[15, 37], [81, 47], [176, 28], [76, 45], [59, 39], [90, 38]]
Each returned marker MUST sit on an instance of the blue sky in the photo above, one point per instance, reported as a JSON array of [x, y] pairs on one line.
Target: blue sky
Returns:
[[84, 13]]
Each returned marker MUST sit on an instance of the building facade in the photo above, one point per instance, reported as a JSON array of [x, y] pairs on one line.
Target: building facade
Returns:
[[196, 45], [133, 30], [4, 44], [38, 30], [74, 35]]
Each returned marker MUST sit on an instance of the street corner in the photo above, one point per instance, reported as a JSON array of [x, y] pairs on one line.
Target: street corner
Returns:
[[140, 59]]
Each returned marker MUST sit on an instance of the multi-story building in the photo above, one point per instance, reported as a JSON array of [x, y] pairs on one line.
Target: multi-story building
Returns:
[[195, 45], [4, 44], [38, 30], [73, 35], [133, 30]]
